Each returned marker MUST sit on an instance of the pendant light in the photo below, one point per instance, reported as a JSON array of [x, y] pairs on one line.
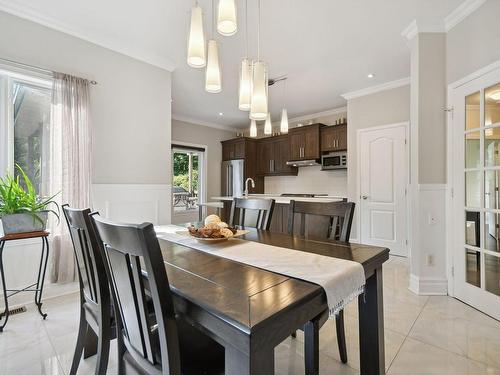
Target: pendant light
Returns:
[[212, 74], [268, 126], [226, 18], [284, 114], [196, 41], [245, 72], [258, 106], [253, 129]]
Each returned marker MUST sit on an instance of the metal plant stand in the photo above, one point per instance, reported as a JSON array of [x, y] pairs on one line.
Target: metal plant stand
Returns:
[[36, 287]]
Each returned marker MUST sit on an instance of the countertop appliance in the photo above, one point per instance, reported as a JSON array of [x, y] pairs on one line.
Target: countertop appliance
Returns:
[[232, 173], [334, 160]]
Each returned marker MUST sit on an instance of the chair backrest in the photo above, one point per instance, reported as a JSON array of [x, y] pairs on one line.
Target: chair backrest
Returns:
[[89, 260], [124, 246], [263, 208], [337, 216]]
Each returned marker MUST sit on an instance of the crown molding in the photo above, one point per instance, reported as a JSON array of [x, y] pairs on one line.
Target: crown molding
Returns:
[[461, 13], [28, 13], [378, 88], [193, 121], [431, 25], [330, 112]]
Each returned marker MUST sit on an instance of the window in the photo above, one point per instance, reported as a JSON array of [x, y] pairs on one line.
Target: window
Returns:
[[25, 106]]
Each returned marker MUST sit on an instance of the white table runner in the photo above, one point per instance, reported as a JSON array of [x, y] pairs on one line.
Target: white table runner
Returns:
[[342, 280]]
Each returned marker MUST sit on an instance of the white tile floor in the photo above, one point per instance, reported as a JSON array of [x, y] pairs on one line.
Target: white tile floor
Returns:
[[423, 335]]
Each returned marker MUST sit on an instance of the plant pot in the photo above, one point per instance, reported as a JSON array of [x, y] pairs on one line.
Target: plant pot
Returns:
[[23, 223]]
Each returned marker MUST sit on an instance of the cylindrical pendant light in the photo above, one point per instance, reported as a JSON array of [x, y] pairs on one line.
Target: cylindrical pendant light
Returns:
[[196, 41], [284, 121], [268, 126], [226, 18], [253, 129], [245, 85], [212, 75], [258, 105]]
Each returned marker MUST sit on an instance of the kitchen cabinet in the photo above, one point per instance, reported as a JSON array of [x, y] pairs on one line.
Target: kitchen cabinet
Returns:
[[273, 153], [304, 142], [334, 138], [234, 149]]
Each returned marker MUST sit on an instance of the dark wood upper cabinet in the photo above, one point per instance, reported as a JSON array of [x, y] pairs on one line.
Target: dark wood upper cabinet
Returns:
[[234, 148], [304, 142], [272, 157], [334, 138]]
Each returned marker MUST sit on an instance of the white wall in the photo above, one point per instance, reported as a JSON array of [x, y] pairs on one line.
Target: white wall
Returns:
[[130, 114]]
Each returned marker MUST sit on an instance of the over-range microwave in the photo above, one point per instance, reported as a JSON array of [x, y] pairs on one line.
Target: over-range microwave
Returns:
[[334, 160]]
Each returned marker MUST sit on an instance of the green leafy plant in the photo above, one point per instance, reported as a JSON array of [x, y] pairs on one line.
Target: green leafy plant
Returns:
[[19, 196]]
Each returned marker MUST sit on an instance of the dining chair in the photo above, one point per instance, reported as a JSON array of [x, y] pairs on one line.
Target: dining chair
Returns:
[[150, 341], [96, 318], [333, 221], [263, 208]]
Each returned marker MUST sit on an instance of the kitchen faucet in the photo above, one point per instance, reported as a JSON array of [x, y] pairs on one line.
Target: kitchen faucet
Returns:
[[245, 193]]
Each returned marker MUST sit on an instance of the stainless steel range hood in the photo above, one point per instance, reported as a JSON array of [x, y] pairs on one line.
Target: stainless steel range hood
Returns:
[[303, 163]]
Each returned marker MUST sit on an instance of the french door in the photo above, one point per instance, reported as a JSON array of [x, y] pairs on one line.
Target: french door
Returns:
[[476, 183]]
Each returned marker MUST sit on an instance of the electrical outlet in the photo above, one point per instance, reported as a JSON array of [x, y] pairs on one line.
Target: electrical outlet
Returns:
[[430, 260], [431, 219]]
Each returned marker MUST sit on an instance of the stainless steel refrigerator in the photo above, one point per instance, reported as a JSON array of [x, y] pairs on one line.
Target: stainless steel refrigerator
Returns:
[[232, 178]]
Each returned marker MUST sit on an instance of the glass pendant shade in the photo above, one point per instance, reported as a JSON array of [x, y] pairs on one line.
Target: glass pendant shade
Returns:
[[258, 106], [196, 41], [226, 18], [284, 121], [253, 129], [212, 74], [268, 126], [245, 84]]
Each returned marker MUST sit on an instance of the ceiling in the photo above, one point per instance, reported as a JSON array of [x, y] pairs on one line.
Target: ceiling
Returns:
[[325, 47]]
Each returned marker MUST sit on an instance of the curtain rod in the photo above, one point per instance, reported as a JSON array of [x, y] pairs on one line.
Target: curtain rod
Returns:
[[36, 68]]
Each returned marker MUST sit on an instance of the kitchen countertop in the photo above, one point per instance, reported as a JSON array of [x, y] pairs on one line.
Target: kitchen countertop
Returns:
[[285, 200]]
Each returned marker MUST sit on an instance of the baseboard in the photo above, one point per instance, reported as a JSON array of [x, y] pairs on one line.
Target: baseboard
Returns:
[[429, 286]]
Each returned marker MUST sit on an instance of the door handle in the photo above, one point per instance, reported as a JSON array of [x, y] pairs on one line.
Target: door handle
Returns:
[[365, 197]]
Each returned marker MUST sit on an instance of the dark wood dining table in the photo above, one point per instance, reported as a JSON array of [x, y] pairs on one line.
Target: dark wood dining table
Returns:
[[250, 311]]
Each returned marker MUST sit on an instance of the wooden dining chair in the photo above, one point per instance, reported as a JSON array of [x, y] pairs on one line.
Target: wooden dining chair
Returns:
[[96, 319], [333, 221], [150, 342], [263, 208]]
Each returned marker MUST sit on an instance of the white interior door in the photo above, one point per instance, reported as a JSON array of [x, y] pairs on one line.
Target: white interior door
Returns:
[[476, 177], [383, 182]]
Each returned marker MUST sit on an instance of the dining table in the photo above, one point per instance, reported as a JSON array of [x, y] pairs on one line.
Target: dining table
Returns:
[[250, 310]]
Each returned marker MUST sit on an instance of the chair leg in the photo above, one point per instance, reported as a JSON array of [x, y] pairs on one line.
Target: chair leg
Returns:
[[103, 342], [80, 342], [339, 321], [90, 343]]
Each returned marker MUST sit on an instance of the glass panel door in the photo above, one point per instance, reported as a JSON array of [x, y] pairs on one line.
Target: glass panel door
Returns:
[[476, 150]]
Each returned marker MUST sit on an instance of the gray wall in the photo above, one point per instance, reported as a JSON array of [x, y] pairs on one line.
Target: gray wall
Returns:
[[382, 108], [209, 137], [130, 106], [474, 43]]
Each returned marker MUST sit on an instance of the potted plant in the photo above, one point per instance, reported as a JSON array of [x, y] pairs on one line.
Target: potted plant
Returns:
[[21, 208]]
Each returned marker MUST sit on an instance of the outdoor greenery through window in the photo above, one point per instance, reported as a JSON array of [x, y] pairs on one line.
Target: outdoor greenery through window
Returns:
[[186, 179]]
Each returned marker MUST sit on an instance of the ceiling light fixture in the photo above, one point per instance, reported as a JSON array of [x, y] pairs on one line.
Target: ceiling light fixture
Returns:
[[284, 114], [221, 114], [495, 95], [259, 105], [245, 72], [268, 126], [196, 41], [212, 74], [371, 75], [253, 129], [226, 18]]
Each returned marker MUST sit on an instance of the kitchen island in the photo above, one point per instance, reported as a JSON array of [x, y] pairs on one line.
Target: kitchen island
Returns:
[[279, 221]]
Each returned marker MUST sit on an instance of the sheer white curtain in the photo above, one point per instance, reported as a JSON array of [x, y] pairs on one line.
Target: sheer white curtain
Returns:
[[69, 167]]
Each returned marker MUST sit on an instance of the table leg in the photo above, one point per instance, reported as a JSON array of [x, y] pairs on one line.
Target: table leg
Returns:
[[4, 289], [371, 326], [311, 346], [238, 363], [41, 275]]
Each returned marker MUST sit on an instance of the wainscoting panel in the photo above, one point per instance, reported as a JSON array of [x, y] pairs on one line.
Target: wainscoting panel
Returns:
[[133, 203]]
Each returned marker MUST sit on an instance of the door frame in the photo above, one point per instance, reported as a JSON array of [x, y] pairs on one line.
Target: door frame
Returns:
[[406, 125], [450, 165], [204, 173]]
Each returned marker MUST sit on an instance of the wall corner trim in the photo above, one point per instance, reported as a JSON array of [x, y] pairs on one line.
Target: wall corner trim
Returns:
[[374, 89], [461, 13], [428, 286]]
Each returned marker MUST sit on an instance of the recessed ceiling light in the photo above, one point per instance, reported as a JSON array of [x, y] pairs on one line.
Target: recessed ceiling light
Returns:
[[371, 75], [221, 114]]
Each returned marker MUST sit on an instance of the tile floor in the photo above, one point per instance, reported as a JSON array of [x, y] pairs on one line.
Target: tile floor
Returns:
[[423, 335]]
